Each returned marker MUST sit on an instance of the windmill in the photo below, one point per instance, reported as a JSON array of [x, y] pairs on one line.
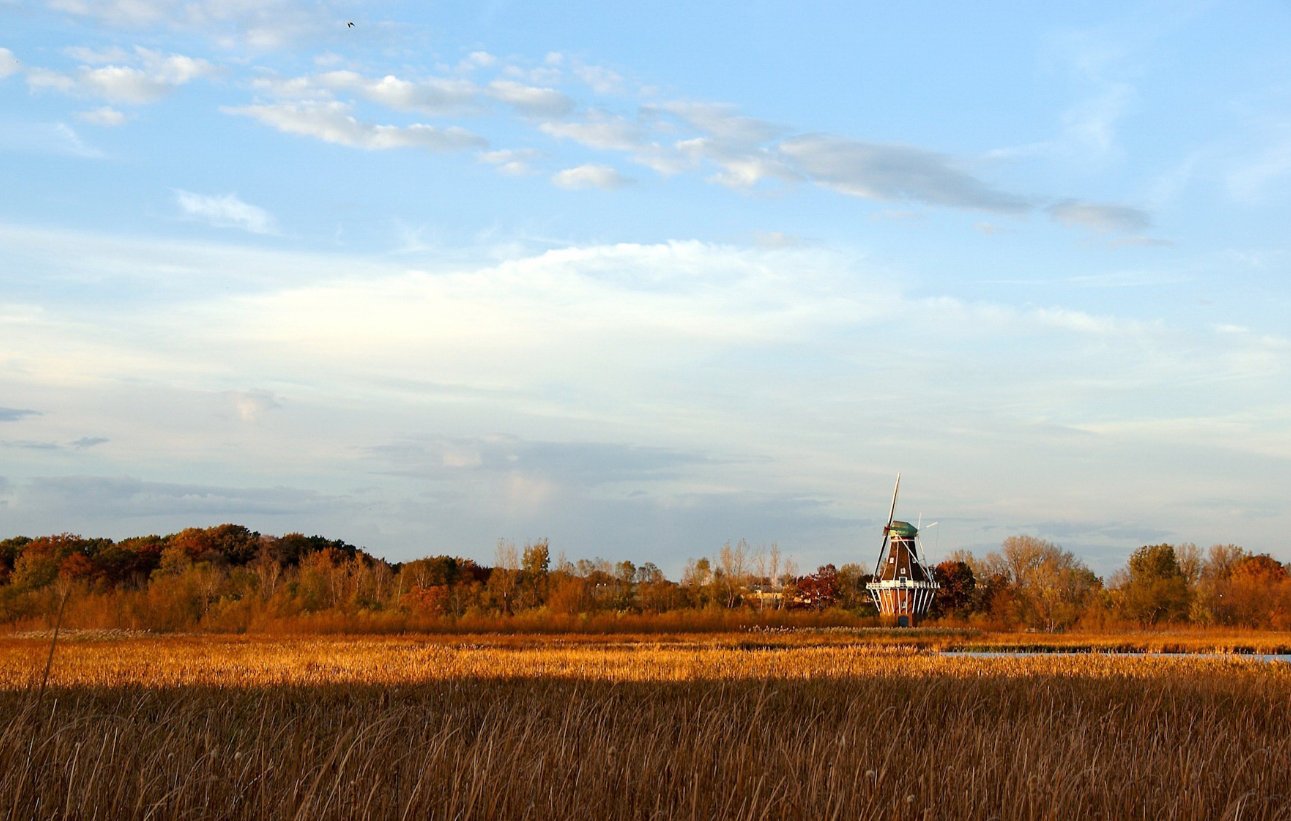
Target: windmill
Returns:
[[903, 585]]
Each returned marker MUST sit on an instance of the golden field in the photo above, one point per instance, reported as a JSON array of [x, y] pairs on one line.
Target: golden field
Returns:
[[818, 725]]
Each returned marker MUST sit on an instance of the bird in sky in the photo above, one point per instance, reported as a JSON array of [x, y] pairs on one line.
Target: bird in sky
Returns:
[[350, 24]]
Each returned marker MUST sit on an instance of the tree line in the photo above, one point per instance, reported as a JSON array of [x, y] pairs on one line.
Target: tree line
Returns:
[[230, 578]]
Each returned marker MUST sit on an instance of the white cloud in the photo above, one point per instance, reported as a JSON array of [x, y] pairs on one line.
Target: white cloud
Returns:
[[225, 211], [105, 116], [251, 406], [599, 79], [257, 24], [118, 12], [44, 79], [333, 123], [151, 77], [531, 100], [8, 63], [123, 84], [707, 348], [590, 176], [477, 59], [723, 122], [433, 95], [93, 56], [602, 131], [512, 162], [739, 167]]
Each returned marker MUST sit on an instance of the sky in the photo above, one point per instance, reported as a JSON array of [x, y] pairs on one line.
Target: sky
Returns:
[[642, 279]]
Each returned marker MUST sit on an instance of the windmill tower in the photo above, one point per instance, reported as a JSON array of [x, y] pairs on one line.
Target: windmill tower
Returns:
[[903, 586]]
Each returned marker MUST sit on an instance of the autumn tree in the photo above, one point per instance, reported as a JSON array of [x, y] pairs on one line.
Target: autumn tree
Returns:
[[1049, 585], [1258, 593], [505, 577], [732, 571], [654, 592], [624, 583], [1210, 602], [534, 571], [569, 595], [954, 598], [1154, 590], [852, 594], [697, 580], [819, 590]]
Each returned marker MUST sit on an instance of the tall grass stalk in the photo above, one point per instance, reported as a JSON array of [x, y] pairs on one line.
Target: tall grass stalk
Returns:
[[383, 728]]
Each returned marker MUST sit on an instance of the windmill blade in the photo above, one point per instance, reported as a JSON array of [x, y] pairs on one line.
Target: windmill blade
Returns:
[[929, 527], [892, 511]]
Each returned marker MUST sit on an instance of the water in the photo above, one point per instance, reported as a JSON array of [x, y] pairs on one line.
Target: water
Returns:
[[1284, 658]]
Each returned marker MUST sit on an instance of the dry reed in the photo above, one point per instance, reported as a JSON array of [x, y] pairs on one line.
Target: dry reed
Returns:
[[480, 728]]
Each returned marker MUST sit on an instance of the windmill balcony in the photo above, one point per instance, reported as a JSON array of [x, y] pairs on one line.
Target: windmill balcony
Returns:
[[902, 584]]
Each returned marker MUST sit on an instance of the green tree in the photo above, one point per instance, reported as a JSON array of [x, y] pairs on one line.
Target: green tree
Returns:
[[852, 594], [1155, 589], [534, 574]]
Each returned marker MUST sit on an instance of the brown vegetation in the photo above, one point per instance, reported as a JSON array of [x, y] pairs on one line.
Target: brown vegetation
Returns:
[[526, 727]]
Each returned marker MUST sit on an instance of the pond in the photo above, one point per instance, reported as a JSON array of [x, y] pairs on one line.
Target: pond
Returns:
[[1285, 658]]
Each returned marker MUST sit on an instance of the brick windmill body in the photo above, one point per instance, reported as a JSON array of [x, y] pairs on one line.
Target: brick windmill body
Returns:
[[903, 586]]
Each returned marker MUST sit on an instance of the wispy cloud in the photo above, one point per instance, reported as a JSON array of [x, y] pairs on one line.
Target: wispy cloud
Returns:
[[136, 497], [670, 137], [9, 64], [148, 77], [266, 24], [252, 405], [332, 122], [1090, 125], [225, 211], [29, 444], [601, 131], [106, 116], [590, 176], [46, 138], [1102, 218], [588, 464], [722, 122], [512, 162], [432, 95], [1256, 173], [895, 172], [530, 100], [14, 414]]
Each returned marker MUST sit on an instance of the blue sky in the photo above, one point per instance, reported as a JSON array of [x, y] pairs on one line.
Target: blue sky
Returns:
[[645, 279]]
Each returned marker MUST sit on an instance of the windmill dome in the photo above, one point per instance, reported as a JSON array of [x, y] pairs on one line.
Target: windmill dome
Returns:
[[903, 530]]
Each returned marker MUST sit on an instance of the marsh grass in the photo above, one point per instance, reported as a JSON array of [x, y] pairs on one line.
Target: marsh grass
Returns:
[[404, 728]]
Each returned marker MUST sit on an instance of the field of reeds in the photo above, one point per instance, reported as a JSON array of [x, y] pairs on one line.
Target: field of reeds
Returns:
[[816, 726]]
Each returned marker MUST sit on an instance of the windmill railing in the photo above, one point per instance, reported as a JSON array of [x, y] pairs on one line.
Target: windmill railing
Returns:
[[902, 584]]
